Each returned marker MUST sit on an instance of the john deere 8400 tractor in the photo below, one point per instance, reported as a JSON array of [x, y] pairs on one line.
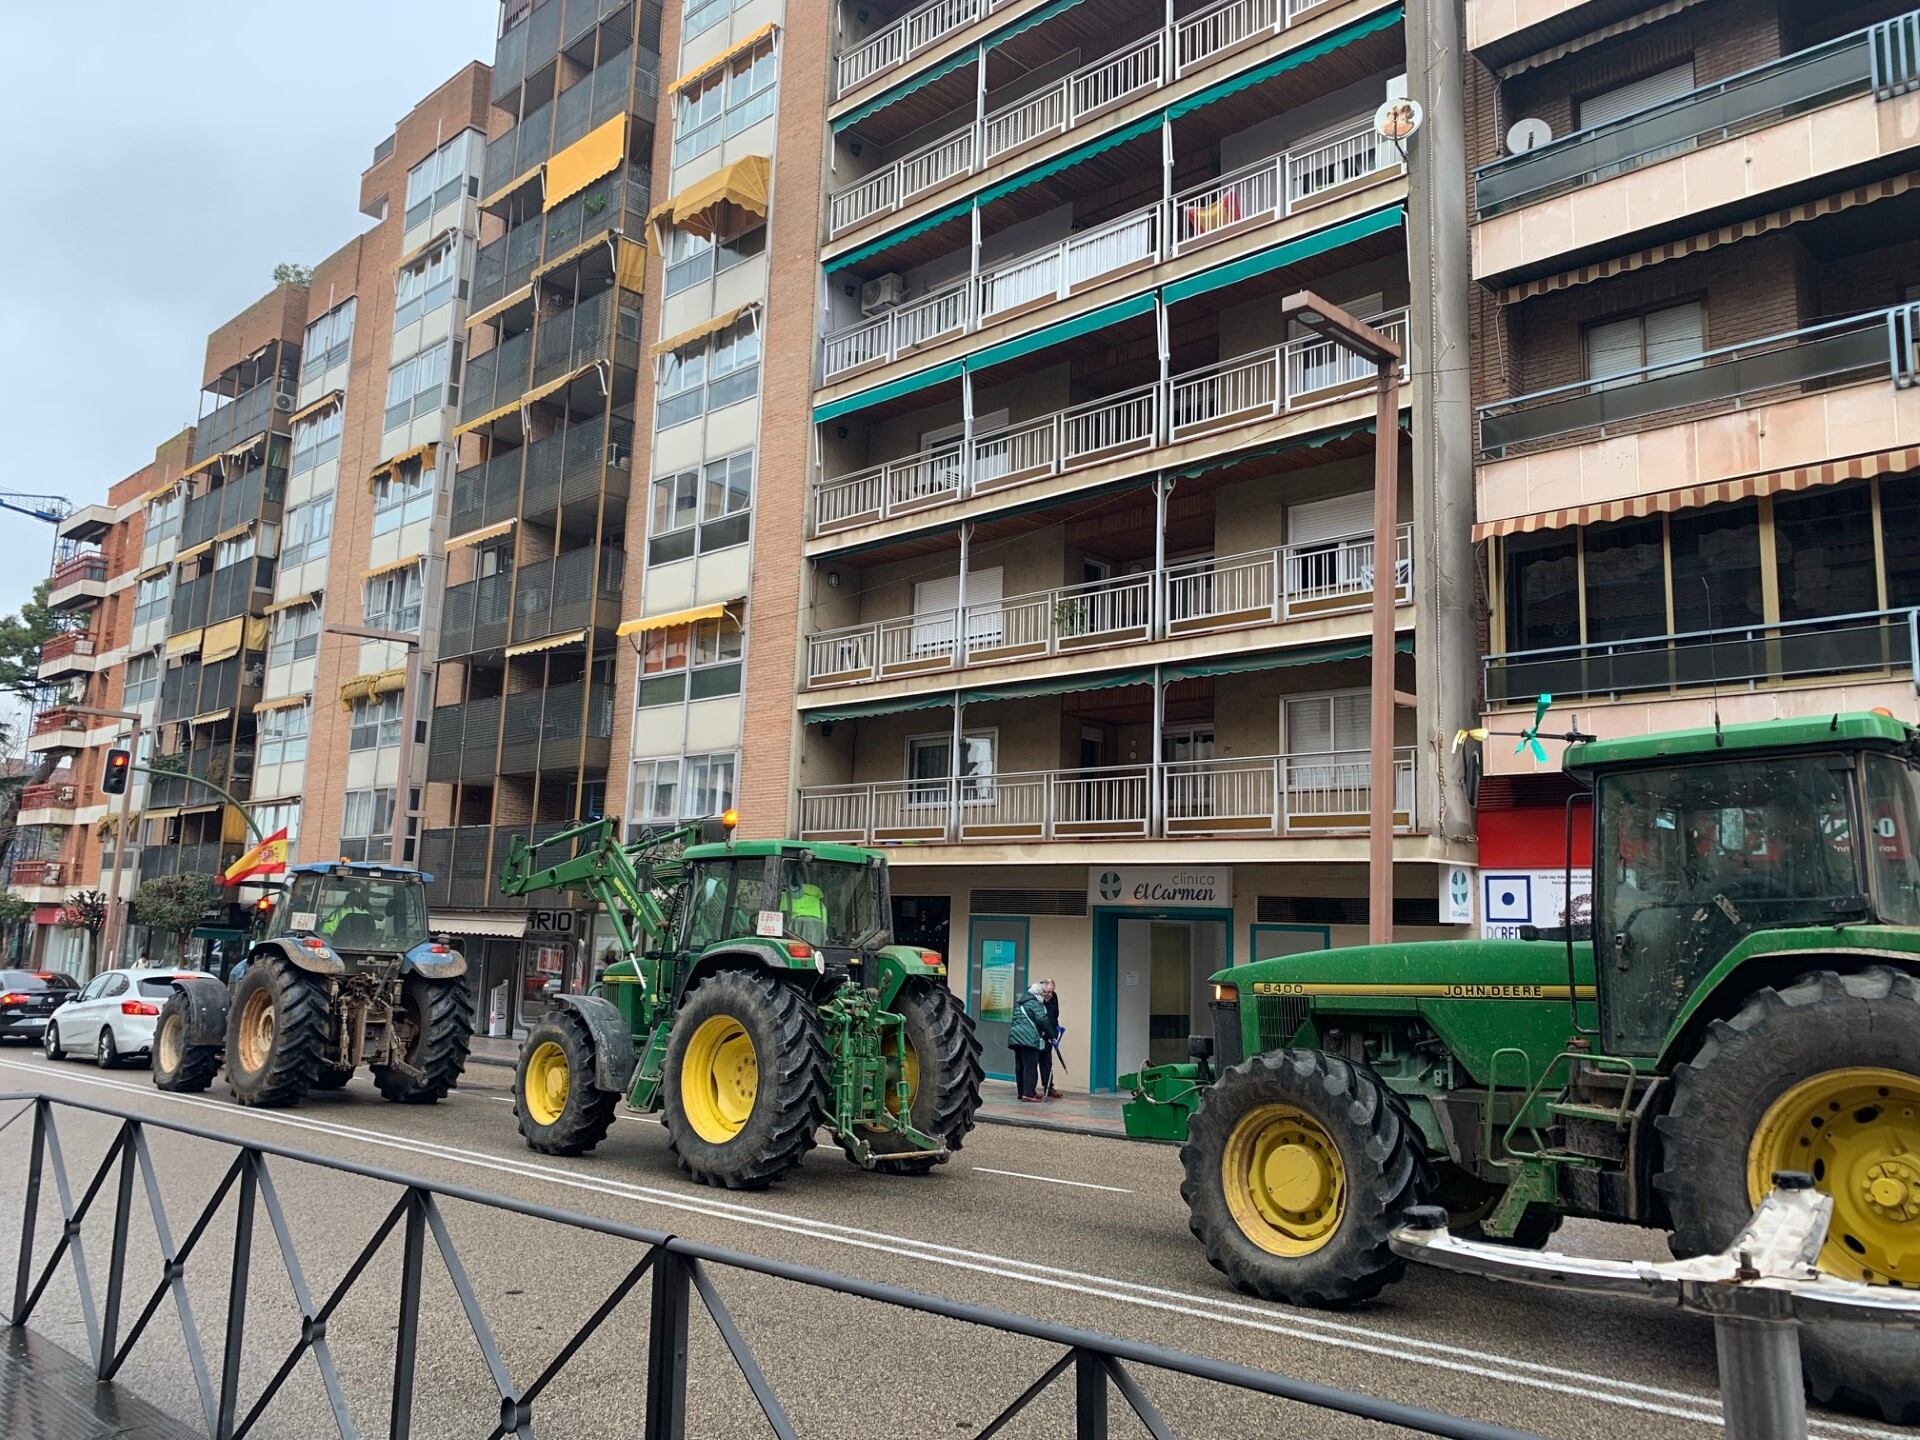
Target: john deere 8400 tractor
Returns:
[[758, 998], [1747, 1003]]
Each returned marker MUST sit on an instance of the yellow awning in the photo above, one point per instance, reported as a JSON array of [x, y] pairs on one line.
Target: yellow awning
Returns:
[[511, 407], [193, 552], [153, 572], [284, 702], [393, 462], [332, 397], [256, 632], [159, 490], [476, 537], [185, 643], [553, 385], [212, 717], [512, 185], [222, 640], [199, 465], [567, 257], [246, 447], [630, 265], [506, 302], [233, 532], [698, 332], [585, 160], [552, 642], [292, 602], [161, 815], [719, 203], [426, 249], [739, 47], [391, 565], [365, 687], [674, 617], [203, 806]]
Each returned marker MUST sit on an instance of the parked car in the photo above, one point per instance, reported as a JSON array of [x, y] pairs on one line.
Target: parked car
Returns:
[[27, 997], [112, 1019]]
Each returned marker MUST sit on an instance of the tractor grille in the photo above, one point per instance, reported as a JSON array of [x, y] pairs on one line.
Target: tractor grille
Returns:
[[1279, 1018], [1229, 1047]]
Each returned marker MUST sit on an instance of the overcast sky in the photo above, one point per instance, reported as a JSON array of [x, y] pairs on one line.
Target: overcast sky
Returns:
[[164, 158]]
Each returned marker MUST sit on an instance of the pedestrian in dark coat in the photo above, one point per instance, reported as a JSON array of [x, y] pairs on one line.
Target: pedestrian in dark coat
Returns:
[[1052, 998], [1029, 1034]]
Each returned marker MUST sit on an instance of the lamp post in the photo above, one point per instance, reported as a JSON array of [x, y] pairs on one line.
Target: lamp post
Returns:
[[410, 684], [1333, 324], [120, 838]]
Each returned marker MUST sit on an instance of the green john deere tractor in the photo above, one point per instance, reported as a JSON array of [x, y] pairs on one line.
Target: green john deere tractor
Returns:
[[758, 998], [1748, 1003]]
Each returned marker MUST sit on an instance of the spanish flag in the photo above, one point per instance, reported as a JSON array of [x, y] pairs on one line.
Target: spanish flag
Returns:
[[269, 857]]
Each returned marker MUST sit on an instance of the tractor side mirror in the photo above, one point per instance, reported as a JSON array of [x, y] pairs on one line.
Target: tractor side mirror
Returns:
[[1200, 1047]]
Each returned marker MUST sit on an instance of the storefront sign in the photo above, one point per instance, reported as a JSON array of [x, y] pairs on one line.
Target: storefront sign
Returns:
[[1456, 895], [997, 959], [1160, 885], [1510, 899], [551, 922]]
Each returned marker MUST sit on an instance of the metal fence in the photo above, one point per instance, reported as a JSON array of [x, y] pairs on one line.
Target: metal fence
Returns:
[[676, 1271]]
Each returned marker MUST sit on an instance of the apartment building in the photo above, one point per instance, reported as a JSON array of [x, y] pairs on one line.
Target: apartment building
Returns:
[[1695, 325]]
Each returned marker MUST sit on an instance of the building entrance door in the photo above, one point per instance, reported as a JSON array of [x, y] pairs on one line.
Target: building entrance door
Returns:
[[1160, 969]]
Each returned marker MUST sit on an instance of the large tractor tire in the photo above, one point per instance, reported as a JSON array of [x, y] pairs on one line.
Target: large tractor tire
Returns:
[[440, 1014], [276, 1033], [940, 1060], [177, 1066], [1298, 1167], [745, 1080], [1822, 1076], [560, 1109]]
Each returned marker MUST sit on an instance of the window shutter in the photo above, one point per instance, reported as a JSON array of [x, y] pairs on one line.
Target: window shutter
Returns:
[[1309, 726], [1332, 519], [1613, 348], [1675, 334], [1641, 94], [1352, 726]]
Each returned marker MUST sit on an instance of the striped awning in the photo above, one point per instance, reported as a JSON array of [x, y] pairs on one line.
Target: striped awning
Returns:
[[332, 397], [1720, 492], [505, 302], [1713, 239], [390, 565], [552, 642], [211, 717], [476, 537], [708, 66], [502, 925], [394, 462]]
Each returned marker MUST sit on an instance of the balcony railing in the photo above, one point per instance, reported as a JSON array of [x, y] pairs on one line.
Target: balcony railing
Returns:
[[601, 327], [463, 740], [38, 872], [1884, 341], [1198, 597], [59, 795], [903, 39], [519, 150], [1749, 657], [1235, 392], [498, 377], [558, 728], [241, 418], [474, 616], [88, 565], [59, 719], [1131, 71], [569, 592], [1883, 58], [617, 200], [502, 266], [487, 493], [1267, 795], [68, 645], [1256, 195]]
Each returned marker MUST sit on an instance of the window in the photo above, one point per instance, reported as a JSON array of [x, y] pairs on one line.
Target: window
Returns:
[[691, 787], [1325, 738], [1660, 342], [296, 635], [150, 597], [728, 100], [1626, 580], [1542, 591], [163, 516], [280, 815], [234, 551], [436, 182], [420, 386], [1716, 567], [693, 258], [366, 813], [695, 661], [705, 509], [329, 341], [1900, 535], [283, 735], [309, 529], [142, 682], [1823, 553], [702, 15], [930, 758], [393, 599], [402, 495], [427, 284], [712, 372], [316, 439], [375, 723]]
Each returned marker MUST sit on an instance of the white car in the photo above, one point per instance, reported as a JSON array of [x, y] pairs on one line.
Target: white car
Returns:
[[112, 1018]]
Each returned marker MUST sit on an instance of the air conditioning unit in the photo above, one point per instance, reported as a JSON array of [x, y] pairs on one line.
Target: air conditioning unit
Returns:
[[283, 403], [882, 293]]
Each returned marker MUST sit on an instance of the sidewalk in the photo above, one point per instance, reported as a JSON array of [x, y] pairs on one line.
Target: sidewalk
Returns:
[[1074, 1113]]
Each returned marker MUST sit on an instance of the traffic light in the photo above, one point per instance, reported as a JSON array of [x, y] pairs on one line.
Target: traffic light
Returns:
[[119, 766]]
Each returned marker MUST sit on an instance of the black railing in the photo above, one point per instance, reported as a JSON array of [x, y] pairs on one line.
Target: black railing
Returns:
[[676, 1272], [572, 591], [504, 265], [601, 327], [462, 739], [616, 201], [558, 728], [458, 859], [497, 377], [473, 618], [487, 493], [521, 148]]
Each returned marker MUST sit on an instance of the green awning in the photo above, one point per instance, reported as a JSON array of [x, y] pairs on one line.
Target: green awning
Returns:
[[1144, 126], [906, 87], [1278, 257], [1028, 21], [900, 236], [1304, 442], [1280, 64], [1059, 685], [1280, 659], [941, 701], [1057, 334], [893, 389]]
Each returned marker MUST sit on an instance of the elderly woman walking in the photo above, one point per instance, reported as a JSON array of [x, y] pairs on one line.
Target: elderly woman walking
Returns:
[[1030, 1034]]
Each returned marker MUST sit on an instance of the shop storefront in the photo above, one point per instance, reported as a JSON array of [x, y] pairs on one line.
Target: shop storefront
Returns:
[[553, 961]]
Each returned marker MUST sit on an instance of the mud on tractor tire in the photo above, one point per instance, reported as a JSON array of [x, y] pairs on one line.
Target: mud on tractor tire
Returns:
[[941, 1062], [1298, 1167], [441, 1016], [277, 1019], [560, 1109], [745, 1080], [180, 1067]]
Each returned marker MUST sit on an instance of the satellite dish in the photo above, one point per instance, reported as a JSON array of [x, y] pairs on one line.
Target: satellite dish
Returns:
[[1396, 120], [1528, 134]]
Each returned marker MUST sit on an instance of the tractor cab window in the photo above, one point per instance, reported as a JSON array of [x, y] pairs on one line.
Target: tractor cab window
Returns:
[[1692, 858], [831, 903], [1892, 794], [707, 913], [353, 912]]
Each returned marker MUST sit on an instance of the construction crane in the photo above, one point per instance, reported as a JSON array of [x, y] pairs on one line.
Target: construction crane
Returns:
[[50, 508]]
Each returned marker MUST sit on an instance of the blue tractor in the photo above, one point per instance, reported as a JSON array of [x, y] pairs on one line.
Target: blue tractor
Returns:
[[341, 970]]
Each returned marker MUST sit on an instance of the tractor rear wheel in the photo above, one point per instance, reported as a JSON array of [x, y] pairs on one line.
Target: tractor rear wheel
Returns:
[[560, 1109], [178, 1066], [440, 1017], [1819, 1076], [276, 1033], [938, 1054], [745, 1080], [1298, 1166]]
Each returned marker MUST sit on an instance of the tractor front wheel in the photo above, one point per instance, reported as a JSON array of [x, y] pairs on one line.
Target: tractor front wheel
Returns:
[[560, 1109], [1820, 1076], [276, 1033], [1298, 1166], [745, 1081], [439, 1016], [937, 1053]]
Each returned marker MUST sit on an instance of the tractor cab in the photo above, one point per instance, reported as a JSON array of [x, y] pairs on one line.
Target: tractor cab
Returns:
[[831, 898], [371, 916]]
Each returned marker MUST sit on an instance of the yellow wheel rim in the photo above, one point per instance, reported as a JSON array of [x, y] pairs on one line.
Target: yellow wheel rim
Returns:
[[544, 1088], [256, 1030], [166, 1043], [719, 1077], [1284, 1180], [1857, 1131]]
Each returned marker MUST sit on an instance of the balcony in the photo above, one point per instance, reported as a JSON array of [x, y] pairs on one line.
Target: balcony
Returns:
[[1274, 189], [176, 778], [1197, 597], [1237, 392], [50, 804], [87, 525], [194, 859], [516, 154], [616, 201], [602, 327], [563, 595], [193, 689], [556, 729], [242, 418], [57, 729], [473, 617], [80, 579], [577, 465], [486, 494], [465, 863], [503, 266], [463, 741], [498, 377], [234, 503], [1271, 796], [47, 874], [69, 653]]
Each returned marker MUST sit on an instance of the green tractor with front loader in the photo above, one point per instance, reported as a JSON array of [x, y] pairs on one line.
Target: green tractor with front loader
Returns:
[[758, 997], [1749, 1002]]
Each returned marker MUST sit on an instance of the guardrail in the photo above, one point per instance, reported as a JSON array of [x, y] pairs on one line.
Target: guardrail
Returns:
[[37, 872], [676, 1271]]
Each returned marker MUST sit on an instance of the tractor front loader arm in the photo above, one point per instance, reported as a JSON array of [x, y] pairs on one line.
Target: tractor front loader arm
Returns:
[[607, 870]]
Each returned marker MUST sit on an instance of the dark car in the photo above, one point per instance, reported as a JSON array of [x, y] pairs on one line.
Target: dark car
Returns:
[[27, 997]]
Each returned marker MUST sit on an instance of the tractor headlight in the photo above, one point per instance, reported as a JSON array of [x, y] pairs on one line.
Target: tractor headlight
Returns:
[[1226, 994]]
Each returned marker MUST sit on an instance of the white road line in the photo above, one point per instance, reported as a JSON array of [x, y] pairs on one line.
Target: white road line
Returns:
[[618, 1114], [1298, 1325], [1022, 1175]]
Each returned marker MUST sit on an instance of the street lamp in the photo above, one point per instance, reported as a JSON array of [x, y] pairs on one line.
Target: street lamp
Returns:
[[1333, 324], [403, 784]]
